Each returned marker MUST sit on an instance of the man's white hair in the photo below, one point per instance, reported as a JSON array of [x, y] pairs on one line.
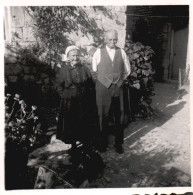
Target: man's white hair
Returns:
[[111, 31]]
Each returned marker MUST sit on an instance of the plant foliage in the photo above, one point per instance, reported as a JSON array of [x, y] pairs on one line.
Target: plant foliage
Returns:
[[22, 127], [53, 24], [142, 75]]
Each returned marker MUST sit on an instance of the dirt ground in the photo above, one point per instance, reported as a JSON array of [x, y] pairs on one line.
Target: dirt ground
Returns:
[[156, 150]]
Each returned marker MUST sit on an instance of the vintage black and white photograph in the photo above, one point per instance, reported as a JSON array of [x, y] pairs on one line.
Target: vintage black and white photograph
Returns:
[[96, 97]]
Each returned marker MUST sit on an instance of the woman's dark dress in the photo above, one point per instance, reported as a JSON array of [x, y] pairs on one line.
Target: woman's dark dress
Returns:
[[77, 116]]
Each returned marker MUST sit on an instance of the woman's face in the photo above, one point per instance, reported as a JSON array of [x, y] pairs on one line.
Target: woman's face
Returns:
[[74, 57]]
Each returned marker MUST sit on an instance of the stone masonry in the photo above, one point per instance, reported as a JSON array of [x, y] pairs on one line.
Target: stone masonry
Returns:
[[19, 34]]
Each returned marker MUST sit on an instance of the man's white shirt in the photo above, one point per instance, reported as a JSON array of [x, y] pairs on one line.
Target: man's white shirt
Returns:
[[97, 58]]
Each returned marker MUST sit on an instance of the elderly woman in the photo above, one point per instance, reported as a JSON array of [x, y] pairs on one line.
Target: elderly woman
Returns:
[[77, 107]]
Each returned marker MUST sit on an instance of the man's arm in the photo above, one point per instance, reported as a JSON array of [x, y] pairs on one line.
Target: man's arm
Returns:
[[126, 63], [96, 60]]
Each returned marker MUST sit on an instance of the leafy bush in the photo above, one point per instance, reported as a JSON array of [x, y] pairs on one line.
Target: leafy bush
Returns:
[[140, 58], [141, 77], [22, 131], [22, 127]]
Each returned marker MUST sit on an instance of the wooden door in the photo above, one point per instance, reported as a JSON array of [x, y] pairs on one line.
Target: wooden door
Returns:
[[179, 52]]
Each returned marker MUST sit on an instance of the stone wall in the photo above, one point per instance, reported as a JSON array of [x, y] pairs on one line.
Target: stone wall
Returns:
[[110, 17], [19, 25], [19, 35]]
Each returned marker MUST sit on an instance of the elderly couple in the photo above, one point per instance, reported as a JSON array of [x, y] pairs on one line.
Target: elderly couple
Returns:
[[75, 86]]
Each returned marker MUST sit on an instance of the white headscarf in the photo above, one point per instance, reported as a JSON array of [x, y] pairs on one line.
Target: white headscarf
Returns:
[[68, 49]]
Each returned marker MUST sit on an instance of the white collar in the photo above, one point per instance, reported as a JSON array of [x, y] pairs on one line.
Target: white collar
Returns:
[[109, 49]]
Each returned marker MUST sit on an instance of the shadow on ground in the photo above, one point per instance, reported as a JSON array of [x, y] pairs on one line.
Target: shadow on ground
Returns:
[[146, 162], [143, 170]]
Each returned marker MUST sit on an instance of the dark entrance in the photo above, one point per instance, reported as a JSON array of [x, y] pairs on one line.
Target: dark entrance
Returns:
[[165, 29]]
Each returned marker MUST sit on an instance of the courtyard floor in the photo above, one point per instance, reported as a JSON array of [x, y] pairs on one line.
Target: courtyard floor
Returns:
[[156, 150]]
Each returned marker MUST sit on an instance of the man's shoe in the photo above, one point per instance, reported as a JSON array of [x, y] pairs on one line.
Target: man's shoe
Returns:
[[119, 149]]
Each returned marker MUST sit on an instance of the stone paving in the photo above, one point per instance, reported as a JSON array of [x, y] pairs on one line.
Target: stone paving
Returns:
[[157, 150]]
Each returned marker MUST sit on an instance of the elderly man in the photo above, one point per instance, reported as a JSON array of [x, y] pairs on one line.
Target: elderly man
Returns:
[[112, 67]]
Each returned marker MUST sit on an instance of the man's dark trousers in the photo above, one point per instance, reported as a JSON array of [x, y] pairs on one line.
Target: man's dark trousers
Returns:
[[110, 100]]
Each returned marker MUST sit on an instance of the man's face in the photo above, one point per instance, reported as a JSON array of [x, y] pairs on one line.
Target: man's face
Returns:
[[111, 40], [74, 57]]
